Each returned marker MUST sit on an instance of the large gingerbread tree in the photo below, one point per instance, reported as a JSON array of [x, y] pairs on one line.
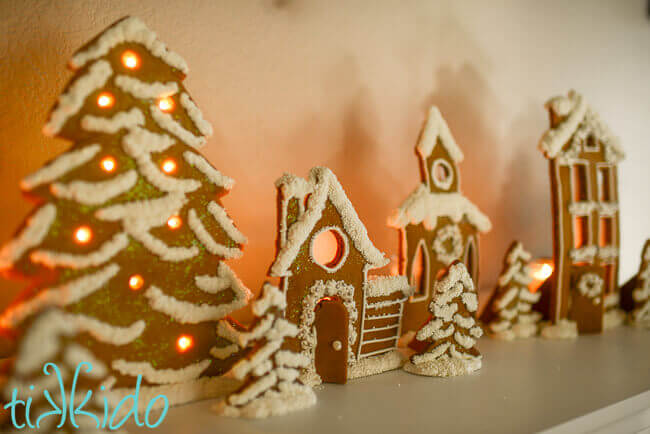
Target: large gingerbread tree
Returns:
[[447, 342], [509, 313], [130, 234]]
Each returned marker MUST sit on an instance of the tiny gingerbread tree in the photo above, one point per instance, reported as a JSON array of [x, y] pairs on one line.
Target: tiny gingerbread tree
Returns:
[[447, 341], [635, 294], [509, 313], [130, 235], [270, 371]]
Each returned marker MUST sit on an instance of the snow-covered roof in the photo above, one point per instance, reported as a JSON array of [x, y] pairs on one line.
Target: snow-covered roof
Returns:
[[435, 127], [577, 121], [130, 29], [321, 186], [422, 206]]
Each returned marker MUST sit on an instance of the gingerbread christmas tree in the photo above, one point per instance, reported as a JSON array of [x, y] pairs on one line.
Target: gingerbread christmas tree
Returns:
[[635, 294], [448, 339], [509, 313], [130, 235], [271, 370]]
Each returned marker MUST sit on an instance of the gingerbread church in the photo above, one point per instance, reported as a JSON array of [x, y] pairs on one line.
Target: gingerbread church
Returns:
[[437, 224], [583, 155], [349, 322]]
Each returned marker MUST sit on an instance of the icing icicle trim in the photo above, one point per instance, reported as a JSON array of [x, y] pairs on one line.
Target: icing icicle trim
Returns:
[[72, 101], [60, 166], [130, 29], [125, 119], [208, 242], [63, 295], [167, 122], [160, 376], [143, 90], [195, 114], [95, 193], [210, 172], [35, 230], [186, 312], [105, 253]]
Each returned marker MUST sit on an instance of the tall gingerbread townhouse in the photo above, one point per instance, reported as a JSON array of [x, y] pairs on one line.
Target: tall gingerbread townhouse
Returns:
[[583, 155], [437, 224]]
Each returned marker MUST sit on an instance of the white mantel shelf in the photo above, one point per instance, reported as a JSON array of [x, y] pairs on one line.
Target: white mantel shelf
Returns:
[[595, 383]]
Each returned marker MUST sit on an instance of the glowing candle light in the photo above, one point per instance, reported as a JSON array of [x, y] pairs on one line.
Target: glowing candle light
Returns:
[[169, 166], [184, 343], [83, 235], [166, 104], [540, 271], [105, 100], [174, 222], [108, 164], [130, 59], [136, 282]]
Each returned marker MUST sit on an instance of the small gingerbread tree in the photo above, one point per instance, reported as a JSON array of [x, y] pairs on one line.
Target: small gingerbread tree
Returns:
[[509, 313], [448, 339], [270, 371], [130, 234], [638, 292]]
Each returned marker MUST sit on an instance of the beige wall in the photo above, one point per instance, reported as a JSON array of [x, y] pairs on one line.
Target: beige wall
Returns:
[[289, 84]]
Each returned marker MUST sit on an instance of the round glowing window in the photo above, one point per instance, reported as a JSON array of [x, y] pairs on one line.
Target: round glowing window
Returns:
[[329, 248], [442, 174]]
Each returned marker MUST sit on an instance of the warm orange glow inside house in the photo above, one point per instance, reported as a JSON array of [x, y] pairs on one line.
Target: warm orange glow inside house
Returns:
[[136, 282], [108, 164], [130, 59], [328, 248], [184, 343], [166, 104], [540, 271], [83, 235], [169, 166], [418, 270], [174, 222], [105, 100]]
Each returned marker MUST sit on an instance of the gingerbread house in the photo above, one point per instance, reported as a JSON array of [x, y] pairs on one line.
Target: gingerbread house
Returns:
[[437, 224], [583, 155], [349, 322]]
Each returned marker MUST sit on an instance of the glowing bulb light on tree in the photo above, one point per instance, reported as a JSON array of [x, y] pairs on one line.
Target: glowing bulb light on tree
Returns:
[[169, 276]]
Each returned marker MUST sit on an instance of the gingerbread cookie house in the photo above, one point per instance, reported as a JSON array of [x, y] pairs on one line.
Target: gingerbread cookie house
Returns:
[[349, 323], [437, 224], [583, 155]]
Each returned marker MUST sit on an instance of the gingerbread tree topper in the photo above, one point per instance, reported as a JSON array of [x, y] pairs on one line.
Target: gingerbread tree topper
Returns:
[[270, 371], [130, 235], [509, 313], [449, 337]]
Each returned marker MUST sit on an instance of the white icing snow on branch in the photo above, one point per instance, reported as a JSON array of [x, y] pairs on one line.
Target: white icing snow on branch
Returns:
[[210, 172], [105, 252], [33, 233], [130, 29], [226, 223], [108, 333], [160, 376], [143, 90], [425, 207], [208, 242], [95, 193], [60, 166], [125, 119], [167, 122], [62, 295], [72, 101], [195, 114], [436, 128]]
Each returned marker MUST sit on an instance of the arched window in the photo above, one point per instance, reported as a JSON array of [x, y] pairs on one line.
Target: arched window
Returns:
[[471, 259], [442, 174], [329, 248], [419, 278]]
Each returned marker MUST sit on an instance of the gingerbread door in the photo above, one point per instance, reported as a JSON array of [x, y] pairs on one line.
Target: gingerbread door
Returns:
[[586, 301], [331, 355]]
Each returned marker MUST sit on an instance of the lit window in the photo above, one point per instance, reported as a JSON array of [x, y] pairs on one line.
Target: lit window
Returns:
[[606, 231], [580, 231], [579, 181], [329, 248], [419, 271], [604, 184]]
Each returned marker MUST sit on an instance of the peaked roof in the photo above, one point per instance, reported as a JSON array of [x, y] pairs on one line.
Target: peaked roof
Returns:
[[422, 206], [435, 127], [576, 122], [129, 29], [321, 186]]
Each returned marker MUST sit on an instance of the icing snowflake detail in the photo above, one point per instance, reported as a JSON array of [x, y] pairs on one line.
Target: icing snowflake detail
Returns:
[[448, 244], [591, 286]]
